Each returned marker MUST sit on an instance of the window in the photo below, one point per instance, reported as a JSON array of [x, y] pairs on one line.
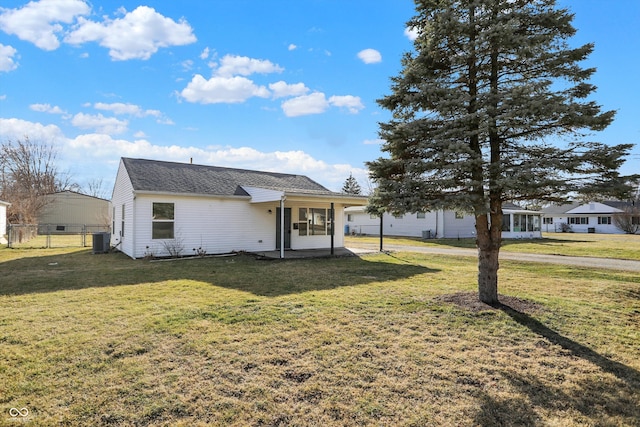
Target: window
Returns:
[[548, 220], [522, 222], [350, 217], [122, 228], [578, 220], [162, 222], [313, 221], [506, 222], [113, 220], [519, 222], [604, 220], [421, 215], [459, 215], [536, 222]]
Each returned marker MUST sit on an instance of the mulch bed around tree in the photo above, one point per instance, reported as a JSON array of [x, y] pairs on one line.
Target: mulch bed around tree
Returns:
[[470, 301]]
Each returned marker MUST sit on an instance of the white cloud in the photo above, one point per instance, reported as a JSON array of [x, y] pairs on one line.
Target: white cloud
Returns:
[[39, 21], [411, 33], [119, 109], [370, 56], [315, 103], [228, 84], [187, 65], [46, 108], [292, 47], [376, 141], [99, 123], [352, 103], [231, 65], [13, 129], [222, 90], [90, 155], [205, 54], [282, 89], [7, 62], [137, 35]]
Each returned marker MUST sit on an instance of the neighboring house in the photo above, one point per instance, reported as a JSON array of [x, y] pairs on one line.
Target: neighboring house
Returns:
[[72, 212], [592, 217], [166, 208], [3, 221], [517, 223]]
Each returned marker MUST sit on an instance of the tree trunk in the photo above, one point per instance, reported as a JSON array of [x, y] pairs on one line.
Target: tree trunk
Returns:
[[488, 253]]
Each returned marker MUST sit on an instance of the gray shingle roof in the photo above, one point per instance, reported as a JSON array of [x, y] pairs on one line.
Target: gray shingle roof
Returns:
[[185, 178]]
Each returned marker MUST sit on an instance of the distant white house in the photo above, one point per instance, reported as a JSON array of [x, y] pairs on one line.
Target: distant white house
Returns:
[[517, 223], [3, 221], [592, 217], [161, 207]]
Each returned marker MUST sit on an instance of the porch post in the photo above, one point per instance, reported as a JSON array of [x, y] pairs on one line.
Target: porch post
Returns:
[[381, 230], [332, 226], [282, 199]]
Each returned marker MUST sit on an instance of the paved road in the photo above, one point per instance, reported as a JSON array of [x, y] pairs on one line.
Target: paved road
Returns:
[[608, 263]]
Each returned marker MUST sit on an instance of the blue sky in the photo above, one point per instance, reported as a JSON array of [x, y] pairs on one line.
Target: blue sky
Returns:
[[283, 85]]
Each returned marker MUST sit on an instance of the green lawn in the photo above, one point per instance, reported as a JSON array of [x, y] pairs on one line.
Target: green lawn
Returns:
[[379, 340]]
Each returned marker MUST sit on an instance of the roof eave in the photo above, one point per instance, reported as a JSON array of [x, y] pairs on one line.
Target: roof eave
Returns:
[[171, 193]]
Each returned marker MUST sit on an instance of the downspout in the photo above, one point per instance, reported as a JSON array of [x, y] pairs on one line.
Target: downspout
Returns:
[[282, 199], [132, 226]]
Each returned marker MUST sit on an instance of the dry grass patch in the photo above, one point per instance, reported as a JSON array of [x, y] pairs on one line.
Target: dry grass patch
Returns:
[[382, 340]]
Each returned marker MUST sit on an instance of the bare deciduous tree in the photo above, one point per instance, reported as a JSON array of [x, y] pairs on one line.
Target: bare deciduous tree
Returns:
[[629, 220], [28, 173]]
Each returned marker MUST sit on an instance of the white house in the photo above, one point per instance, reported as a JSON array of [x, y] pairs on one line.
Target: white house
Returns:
[[517, 223], [3, 221], [592, 217], [160, 208]]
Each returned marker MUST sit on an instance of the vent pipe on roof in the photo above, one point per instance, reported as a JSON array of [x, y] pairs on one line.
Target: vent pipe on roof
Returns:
[[191, 160]]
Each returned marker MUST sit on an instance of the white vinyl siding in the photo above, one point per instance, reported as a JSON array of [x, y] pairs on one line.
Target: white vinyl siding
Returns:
[[217, 225], [122, 196]]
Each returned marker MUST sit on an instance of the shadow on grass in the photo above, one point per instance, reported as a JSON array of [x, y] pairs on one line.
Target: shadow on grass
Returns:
[[621, 371], [81, 270], [600, 400]]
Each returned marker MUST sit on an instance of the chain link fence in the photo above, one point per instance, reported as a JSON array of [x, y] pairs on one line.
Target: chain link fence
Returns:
[[52, 235]]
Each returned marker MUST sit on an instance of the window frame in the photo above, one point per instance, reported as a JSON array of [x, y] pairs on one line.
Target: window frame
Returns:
[[160, 229], [314, 221], [604, 220]]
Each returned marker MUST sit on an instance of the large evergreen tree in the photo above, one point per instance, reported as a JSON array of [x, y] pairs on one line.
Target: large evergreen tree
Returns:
[[478, 109]]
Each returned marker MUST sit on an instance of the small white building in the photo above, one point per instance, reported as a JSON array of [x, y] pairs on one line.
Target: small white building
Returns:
[[3, 222], [517, 223], [72, 212], [160, 208], [591, 217]]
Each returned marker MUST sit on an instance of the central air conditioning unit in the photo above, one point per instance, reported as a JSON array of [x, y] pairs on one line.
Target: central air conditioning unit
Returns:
[[101, 243]]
